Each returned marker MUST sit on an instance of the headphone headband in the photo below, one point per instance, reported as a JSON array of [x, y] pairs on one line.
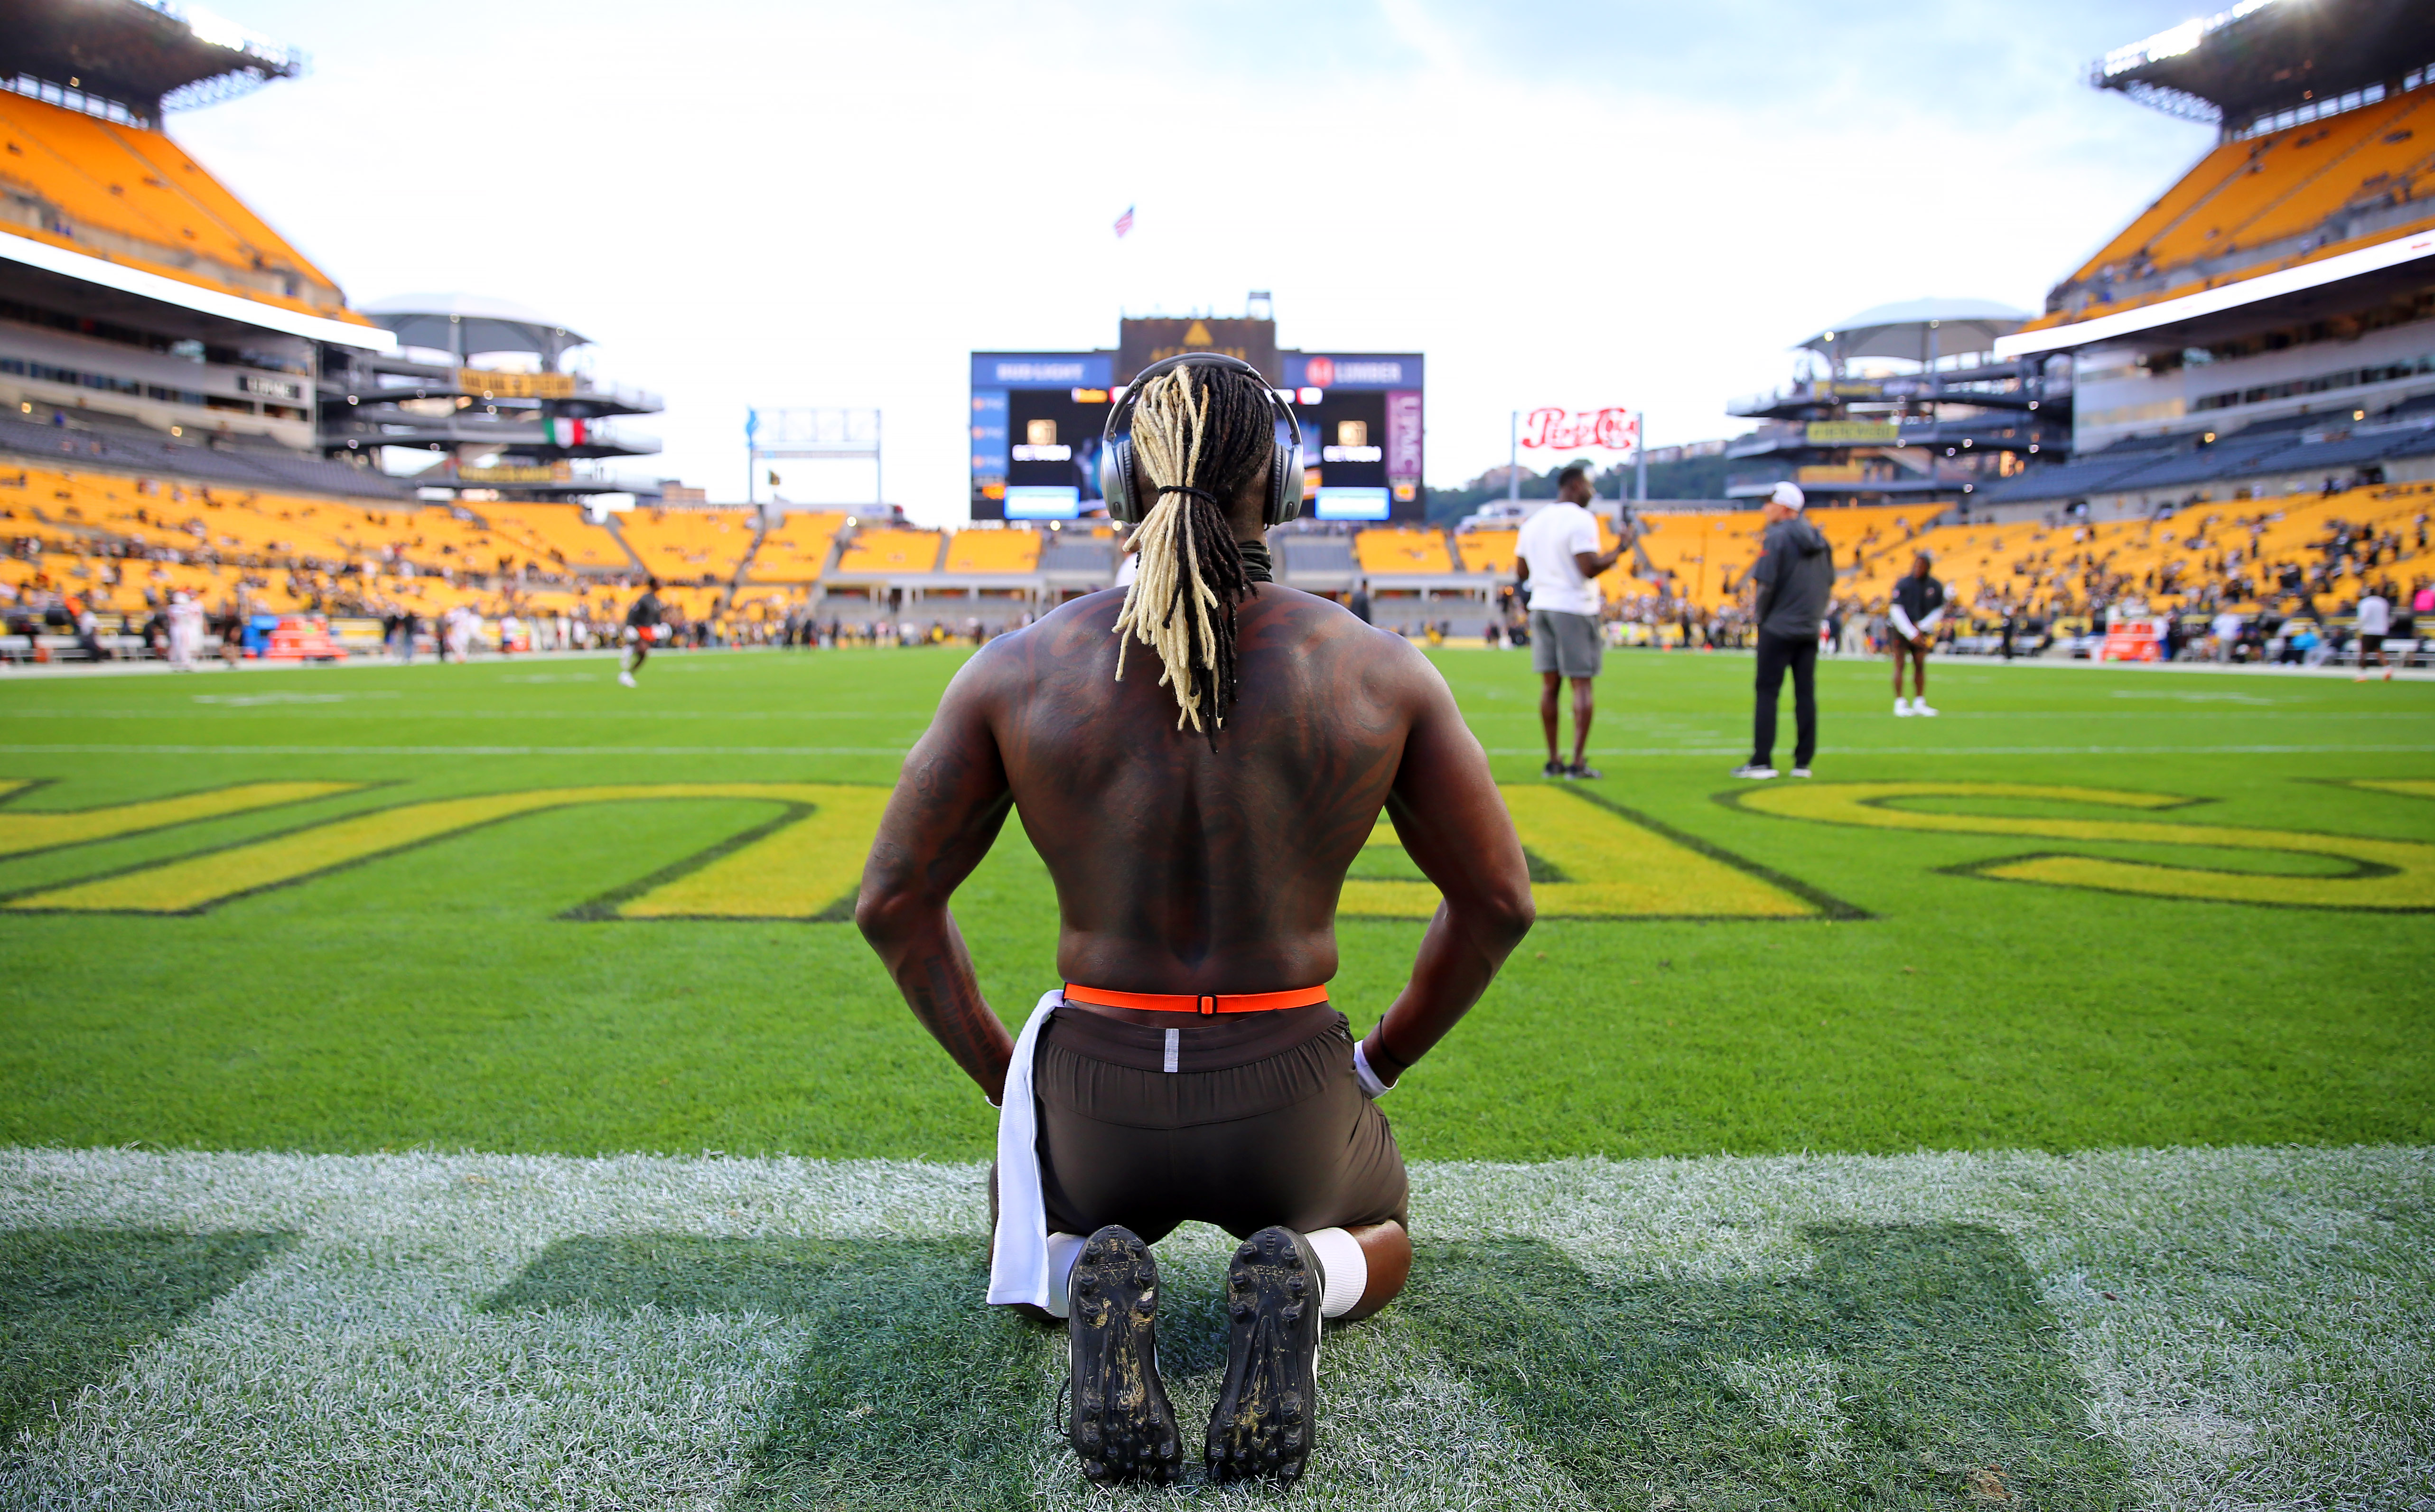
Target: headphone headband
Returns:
[[1121, 490]]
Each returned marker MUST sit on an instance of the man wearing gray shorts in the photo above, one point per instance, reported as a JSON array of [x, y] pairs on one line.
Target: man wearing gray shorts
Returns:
[[1559, 558]]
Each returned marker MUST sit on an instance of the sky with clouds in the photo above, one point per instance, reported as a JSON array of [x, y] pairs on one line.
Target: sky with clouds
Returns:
[[1561, 203]]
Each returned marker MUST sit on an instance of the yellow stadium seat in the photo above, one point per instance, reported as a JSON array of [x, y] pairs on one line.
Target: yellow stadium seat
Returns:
[[891, 553], [993, 551], [795, 549]]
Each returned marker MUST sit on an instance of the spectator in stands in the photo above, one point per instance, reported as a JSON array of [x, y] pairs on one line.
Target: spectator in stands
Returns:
[[1558, 563], [1795, 575]]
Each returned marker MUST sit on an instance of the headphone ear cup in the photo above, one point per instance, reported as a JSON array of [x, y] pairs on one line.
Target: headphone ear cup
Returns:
[[1284, 485], [1116, 480]]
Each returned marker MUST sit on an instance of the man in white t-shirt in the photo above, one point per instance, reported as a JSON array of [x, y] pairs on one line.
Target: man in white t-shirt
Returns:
[[1559, 561], [2374, 624], [2228, 626]]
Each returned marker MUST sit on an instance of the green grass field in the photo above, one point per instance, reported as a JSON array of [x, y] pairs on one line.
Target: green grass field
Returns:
[[459, 1086], [1854, 987]]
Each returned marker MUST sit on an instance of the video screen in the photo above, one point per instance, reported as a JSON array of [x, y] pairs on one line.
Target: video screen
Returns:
[[1333, 503], [1053, 442], [1043, 501]]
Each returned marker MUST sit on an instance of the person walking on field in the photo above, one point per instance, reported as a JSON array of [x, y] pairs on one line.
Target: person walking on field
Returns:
[[1198, 759], [2374, 624], [644, 624], [1795, 576], [1918, 608], [1558, 556]]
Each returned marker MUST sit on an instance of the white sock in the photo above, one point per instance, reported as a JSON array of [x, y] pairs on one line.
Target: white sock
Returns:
[[1063, 1249], [1900, 704], [1343, 1271]]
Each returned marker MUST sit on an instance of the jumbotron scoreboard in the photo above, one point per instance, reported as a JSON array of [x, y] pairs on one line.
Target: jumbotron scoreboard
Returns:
[[1037, 419]]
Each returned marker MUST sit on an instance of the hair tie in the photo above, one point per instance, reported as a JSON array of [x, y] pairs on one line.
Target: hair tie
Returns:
[[1187, 488]]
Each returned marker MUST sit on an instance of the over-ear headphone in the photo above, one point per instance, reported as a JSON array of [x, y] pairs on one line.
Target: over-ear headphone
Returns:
[[1121, 486]]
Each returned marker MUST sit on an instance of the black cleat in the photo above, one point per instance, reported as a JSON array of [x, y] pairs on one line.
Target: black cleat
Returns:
[[1121, 1425], [1580, 771], [1553, 769], [1263, 1421]]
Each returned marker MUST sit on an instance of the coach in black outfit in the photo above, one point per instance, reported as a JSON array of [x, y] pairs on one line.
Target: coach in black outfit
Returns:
[[1795, 574]]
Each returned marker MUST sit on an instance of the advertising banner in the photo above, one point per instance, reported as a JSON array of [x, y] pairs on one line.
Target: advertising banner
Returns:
[[1403, 439], [516, 385], [1042, 370], [1314, 370], [1852, 433], [1612, 428]]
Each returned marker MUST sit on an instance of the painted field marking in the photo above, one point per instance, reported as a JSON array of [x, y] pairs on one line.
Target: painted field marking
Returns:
[[1610, 863], [2406, 787], [2386, 875], [825, 863], [23, 829]]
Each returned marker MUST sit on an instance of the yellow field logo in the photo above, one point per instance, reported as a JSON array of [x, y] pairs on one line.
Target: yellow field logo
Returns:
[[1589, 860], [2386, 875]]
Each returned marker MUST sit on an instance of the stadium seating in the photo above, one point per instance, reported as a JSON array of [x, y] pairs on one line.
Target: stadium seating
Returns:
[[891, 554], [688, 544], [1391, 551], [993, 551], [120, 183], [2267, 193], [1487, 551], [558, 533], [796, 549]]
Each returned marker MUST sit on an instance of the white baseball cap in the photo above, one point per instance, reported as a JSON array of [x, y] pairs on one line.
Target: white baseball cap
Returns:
[[1789, 495]]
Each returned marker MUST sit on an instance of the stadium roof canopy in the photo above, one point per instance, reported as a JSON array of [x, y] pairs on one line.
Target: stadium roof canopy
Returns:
[[142, 56], [467, 323], [2262, 56], [1902, 330]]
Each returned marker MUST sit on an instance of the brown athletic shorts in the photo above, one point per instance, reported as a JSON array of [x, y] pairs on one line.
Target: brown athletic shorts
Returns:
[[1259, 1122]]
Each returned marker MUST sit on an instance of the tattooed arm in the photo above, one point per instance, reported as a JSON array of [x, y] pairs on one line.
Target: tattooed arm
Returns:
[[942, 818]]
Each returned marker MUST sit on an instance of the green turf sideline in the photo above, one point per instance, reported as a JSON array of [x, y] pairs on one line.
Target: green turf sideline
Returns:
[[442, 996], [2128, 1327]]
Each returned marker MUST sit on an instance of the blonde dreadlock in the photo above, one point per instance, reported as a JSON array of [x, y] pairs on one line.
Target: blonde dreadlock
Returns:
[[1199, 434]]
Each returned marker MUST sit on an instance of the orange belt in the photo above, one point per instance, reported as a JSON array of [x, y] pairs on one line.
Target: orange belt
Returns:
[[1300, 997]]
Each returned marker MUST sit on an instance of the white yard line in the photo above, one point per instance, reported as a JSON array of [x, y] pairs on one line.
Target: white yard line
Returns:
[[2269, 1342]]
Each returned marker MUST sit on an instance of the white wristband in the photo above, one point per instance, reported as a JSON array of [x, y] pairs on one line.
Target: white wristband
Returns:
[[1371, 1087]]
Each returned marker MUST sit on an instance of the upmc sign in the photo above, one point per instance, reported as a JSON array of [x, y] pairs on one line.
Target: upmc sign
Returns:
[[1612, 429]]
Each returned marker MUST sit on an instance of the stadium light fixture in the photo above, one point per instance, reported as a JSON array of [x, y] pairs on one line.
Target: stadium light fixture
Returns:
[[2174, 41]]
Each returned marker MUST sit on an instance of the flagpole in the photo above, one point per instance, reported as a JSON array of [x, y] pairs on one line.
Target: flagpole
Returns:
[[1514, 458]]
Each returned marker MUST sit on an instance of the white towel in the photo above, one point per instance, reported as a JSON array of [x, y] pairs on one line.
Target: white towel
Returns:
[[1019, 1267]]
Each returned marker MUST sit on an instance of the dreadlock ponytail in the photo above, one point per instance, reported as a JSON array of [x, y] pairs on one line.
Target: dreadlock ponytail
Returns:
[[1197, 445]]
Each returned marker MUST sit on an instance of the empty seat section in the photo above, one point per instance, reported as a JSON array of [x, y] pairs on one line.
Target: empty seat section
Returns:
[[1487, 551], [688, 544], [1390, 550], [795, 548], [2383, 157], [891, 553], [993, 551], [559, 532], [142, 186], [2204, 176]]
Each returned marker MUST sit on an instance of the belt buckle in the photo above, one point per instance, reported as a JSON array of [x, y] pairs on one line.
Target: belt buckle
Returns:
[[1208, 1004]]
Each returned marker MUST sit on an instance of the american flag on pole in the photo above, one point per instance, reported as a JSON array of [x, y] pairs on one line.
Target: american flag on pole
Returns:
[[1124, 223]]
